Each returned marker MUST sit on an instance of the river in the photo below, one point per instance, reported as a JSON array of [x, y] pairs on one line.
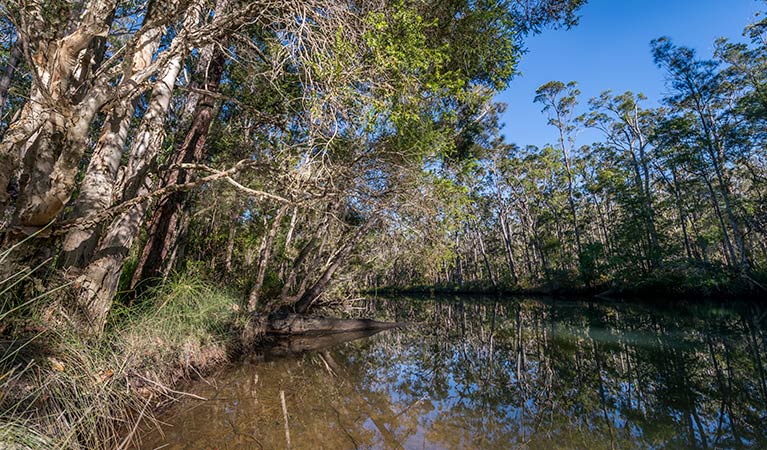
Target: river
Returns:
[[472, 373]]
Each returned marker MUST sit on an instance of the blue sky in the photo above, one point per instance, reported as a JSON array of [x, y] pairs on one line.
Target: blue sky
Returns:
[[610, 49]]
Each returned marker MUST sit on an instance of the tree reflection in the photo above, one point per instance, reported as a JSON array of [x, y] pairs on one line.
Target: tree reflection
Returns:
[[528, 374]]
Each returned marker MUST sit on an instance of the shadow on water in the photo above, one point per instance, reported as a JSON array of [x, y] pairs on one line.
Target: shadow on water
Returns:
[[482, 374]]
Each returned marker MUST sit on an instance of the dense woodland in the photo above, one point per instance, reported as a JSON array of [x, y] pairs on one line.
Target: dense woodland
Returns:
[[290, 148], [672, 198], [172, 169], [264, 144]]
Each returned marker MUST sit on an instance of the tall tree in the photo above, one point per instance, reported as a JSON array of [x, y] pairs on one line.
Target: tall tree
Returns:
[[559, 101]]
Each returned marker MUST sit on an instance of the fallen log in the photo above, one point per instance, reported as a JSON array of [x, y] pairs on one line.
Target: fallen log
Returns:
[[280, 345], [297, 324]]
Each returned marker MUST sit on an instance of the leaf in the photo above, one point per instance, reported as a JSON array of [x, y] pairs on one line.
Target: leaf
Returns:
[[106, 374], [57, 365]]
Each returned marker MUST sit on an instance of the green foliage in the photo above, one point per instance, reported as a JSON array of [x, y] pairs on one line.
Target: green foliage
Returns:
[[589, 263], [692, 279]]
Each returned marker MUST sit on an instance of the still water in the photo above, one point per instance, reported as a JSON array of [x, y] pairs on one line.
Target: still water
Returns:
[[483, 374]]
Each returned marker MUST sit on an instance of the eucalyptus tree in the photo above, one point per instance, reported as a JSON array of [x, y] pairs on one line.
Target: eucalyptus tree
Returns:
[[698, 88], [353, 167], [665, 191], [626, 128], [559, 101], [744, 70], [501, 196]]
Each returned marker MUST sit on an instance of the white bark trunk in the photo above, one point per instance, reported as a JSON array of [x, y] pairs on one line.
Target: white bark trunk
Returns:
[[100, 279], [50, 134], [97, 188]]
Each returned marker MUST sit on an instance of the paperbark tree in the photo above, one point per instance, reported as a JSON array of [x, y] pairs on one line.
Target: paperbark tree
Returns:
[[101, 275], [97, 189], [45, 144]]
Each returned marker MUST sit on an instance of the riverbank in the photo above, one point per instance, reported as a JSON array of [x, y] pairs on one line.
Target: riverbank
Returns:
[[688, 282], [537, 371], [60, 390]]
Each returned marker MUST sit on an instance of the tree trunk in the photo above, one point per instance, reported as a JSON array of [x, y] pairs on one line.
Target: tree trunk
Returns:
[[296, 324], [164, 229], [48, 140], [485, 257], [288, 241], [263, 259], [507, 245], [7, 77], [97, 190], [306, 300], [570, 188], [716, 153], [230, 240], [730, 255], [656, 253], [293, 274], [101, 276], [458, 262]]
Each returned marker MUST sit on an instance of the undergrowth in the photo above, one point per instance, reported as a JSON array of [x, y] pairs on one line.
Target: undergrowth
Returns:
[[60, 390]]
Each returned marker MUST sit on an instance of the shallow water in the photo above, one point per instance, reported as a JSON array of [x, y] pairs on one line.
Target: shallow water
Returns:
[[483, 374]]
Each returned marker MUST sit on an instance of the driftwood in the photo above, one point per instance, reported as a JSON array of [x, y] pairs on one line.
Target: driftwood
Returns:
[[290, 334], [297, 324], [285, 345]]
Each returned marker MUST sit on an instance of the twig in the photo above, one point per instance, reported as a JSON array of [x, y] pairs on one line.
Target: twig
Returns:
[[327, 366], [756, 283], [135, 426], [94, 219], [285, 417], [166, 388]]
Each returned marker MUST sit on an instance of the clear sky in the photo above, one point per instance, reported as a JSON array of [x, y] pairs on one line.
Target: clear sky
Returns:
[[610, 49]]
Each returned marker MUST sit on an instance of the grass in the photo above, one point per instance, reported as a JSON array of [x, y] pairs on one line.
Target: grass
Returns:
[[58, 390]]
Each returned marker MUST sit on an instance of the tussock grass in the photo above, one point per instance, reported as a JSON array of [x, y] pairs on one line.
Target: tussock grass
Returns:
[[60, 390], [184, 325]]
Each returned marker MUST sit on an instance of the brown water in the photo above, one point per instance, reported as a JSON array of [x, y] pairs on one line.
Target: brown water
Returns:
[[476, 374]]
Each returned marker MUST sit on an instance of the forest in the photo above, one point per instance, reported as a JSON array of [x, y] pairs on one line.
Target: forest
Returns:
[[173, 171], [672, 200]]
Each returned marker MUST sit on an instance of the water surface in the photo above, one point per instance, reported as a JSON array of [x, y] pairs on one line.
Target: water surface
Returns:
[[484, 374]]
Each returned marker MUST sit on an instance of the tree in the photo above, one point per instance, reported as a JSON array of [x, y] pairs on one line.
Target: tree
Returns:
[[699, 89], [559, 101], [625, 127]]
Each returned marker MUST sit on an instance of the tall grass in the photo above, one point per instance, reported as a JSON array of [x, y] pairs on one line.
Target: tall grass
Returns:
[[61, 390], [185, 324]]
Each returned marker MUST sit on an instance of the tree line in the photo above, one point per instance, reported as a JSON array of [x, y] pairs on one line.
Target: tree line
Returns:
[[669, 196]]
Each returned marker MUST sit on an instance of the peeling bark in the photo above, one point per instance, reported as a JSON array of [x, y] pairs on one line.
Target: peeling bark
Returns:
[[48, 140], [97, 188], [100, 278]]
